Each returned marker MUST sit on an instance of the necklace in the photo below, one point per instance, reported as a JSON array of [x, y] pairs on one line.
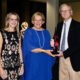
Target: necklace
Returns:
[[41, 46]]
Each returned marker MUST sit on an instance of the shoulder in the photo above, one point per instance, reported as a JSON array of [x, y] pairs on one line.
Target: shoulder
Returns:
[[28, 31], [0, 34], [59, 26], [76, 24], [60, 23], [46, 31], [1, 31], [75, 21]]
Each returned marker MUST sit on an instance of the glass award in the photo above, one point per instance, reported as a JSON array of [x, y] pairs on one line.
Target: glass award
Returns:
[[55, 45]]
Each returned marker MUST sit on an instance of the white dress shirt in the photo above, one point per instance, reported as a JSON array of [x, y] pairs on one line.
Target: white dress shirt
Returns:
[[67, 30]]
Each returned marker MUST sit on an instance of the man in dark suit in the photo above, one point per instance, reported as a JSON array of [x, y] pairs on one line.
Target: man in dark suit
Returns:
[[68, 34]]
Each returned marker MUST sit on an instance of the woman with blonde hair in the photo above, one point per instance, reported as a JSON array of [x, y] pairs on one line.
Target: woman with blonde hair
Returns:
[[37, 56], [11, 62]]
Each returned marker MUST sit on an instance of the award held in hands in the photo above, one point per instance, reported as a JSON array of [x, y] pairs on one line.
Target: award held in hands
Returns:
[[55, 45]]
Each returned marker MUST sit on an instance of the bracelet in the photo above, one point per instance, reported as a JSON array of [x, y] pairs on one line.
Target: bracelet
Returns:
[[22, 62], [43, 50]]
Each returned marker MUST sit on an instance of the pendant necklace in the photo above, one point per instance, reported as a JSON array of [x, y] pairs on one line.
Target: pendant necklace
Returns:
[[41, 46]]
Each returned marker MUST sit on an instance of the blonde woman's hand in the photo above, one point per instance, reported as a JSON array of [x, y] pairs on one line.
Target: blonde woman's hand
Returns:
[[49, 53], [3, 73], [52, 42], [21, 70]]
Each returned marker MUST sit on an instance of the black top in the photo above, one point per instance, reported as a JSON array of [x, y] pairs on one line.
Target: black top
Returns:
[[10, 50]]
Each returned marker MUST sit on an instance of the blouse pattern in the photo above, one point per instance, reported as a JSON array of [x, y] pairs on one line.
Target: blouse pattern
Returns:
[[10, 54]]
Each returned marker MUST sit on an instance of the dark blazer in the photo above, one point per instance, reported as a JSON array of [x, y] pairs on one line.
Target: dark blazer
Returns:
[[73, 50]]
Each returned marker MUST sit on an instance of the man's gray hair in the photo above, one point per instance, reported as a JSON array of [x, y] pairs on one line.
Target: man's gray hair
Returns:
[[64, 4]]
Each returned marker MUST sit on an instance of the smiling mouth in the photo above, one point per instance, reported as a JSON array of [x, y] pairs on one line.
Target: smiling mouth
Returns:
[[38, 24]]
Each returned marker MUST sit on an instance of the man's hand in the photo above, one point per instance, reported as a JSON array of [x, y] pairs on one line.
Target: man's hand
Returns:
[[60, 54]]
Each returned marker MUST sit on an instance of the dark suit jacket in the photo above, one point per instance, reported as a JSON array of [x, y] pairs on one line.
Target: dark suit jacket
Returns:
[[73, 43]]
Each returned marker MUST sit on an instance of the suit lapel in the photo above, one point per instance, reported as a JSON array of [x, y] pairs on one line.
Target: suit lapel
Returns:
[[61, 26]]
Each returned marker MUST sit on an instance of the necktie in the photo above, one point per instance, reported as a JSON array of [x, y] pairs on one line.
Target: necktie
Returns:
[[63, 38]]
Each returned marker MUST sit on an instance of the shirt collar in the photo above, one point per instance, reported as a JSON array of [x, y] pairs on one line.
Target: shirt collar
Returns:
[[68, 21]]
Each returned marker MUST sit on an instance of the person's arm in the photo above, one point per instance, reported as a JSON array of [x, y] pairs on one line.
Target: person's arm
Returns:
[[47, 51], [3, 73], [21, 58], [20, 50], [28, 45], [43, 51], [74, 45]]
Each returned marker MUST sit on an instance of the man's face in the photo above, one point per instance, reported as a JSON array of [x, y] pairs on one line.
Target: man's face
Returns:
[[65, 12]]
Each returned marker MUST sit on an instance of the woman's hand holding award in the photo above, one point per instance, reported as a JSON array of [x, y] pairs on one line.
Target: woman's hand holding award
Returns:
[[55, 45]]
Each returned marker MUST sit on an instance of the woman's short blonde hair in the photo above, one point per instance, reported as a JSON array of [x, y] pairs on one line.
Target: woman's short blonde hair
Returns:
[[38, 14]]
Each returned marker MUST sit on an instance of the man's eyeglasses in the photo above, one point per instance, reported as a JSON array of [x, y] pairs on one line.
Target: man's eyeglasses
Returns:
[[64, 10]]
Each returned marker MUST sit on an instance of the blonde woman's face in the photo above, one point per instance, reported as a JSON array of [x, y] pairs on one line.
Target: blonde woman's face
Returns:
[[37, 22], [13, 21]]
